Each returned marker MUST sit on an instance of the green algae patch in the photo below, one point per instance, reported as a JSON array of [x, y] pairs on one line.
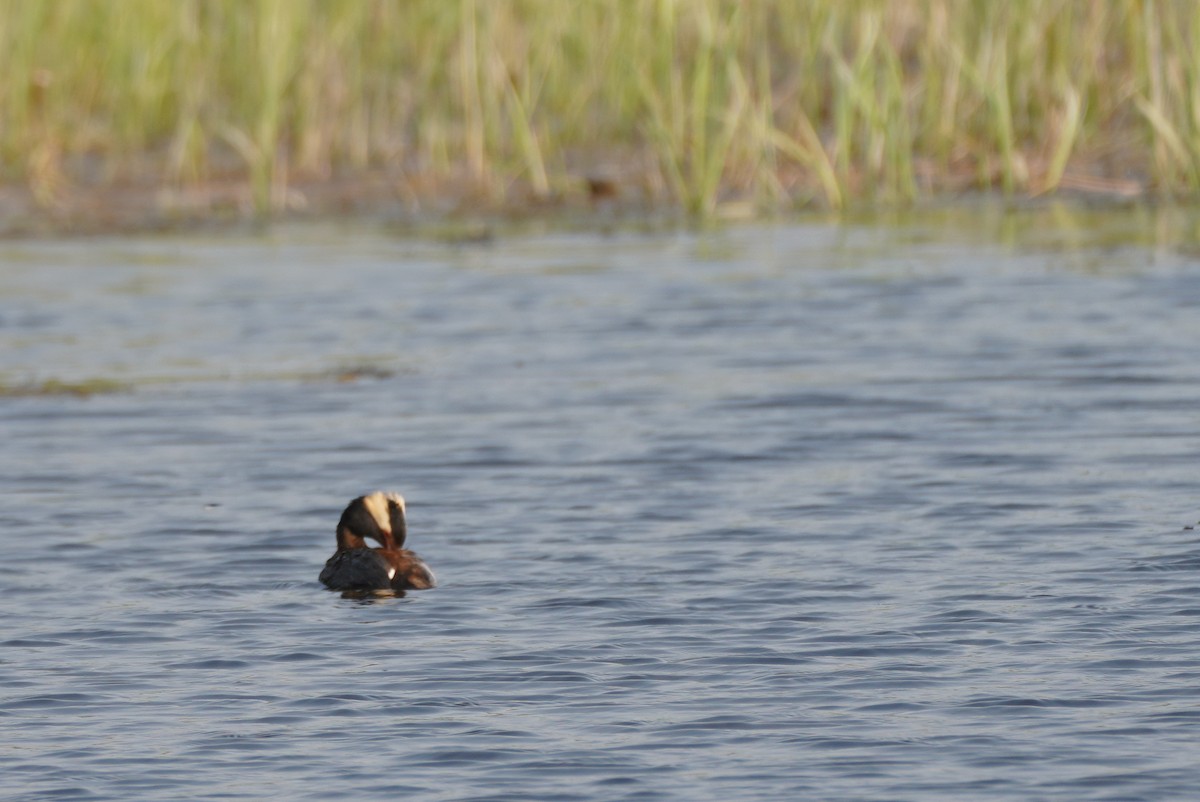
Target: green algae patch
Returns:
[[57, 387]]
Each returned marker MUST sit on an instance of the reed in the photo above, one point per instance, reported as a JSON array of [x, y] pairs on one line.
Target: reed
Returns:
[[781, 103]]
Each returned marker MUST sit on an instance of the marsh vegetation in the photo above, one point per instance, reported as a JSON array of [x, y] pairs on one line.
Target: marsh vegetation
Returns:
[[701, 104]]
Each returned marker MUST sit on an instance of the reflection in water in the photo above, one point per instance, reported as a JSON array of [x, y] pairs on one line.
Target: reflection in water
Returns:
[[766, 513]]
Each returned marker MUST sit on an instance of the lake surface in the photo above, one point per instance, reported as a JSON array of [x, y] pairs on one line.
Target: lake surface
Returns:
[[776, 512]]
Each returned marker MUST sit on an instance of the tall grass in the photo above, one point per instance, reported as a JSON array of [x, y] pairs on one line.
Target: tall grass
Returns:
[[700, 101]]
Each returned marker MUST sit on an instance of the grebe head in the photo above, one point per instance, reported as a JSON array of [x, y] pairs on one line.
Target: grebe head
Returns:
[[379, 516]]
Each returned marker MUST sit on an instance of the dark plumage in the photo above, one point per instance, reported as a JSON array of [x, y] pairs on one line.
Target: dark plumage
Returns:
[[356, 566]]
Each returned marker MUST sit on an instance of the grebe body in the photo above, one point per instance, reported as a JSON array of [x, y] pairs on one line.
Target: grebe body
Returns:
[[355, 566]]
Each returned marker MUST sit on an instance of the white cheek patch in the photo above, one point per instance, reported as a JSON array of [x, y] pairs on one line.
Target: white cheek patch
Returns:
[[376, 505], [391, 573]]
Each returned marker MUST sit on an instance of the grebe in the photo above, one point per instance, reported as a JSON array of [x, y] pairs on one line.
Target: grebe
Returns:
[[356, 566]]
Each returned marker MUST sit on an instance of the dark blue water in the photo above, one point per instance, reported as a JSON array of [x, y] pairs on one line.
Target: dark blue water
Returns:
[[797, 512]]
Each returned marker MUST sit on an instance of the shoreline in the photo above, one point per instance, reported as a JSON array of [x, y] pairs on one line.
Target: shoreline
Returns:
[[414, 202], [1079, 229]]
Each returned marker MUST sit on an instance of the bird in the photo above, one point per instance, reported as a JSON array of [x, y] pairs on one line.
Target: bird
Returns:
[[355, 566]]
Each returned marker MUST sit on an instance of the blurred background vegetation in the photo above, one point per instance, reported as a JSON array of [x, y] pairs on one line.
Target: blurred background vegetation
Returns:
[[699, 103]]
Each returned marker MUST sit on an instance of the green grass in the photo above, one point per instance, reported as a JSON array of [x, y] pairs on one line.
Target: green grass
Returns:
[[695, 102]]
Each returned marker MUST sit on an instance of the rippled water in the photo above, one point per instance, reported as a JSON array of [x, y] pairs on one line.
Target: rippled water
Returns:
[[766, 513]]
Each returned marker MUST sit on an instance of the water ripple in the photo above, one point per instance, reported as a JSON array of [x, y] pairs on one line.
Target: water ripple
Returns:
[[745, 525]]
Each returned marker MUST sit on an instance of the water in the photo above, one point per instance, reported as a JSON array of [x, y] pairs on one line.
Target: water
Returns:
[[759, 514]]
